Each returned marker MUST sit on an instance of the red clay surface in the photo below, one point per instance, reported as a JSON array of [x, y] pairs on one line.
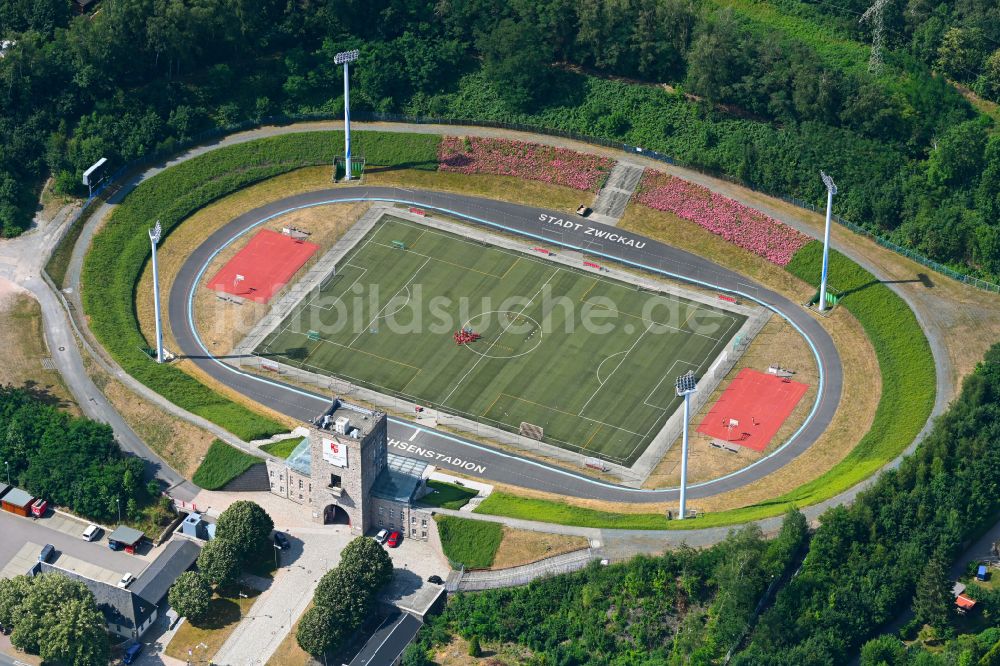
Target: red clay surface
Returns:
[[759, 401], [267, 263]]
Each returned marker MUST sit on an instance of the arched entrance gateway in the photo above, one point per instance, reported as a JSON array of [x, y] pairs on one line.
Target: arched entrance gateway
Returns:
[[335, 515]]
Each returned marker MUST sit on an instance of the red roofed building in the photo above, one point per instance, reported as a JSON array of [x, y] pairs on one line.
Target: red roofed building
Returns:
[[965, 603]]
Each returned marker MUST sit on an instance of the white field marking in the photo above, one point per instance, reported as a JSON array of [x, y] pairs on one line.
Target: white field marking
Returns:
[[665, 375], [311, 301], [627, 352], [414, 435], [601, 365], [378, 315], [511, 323]]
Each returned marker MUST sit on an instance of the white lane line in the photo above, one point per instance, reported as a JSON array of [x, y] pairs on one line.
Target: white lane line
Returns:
[[414, 435]]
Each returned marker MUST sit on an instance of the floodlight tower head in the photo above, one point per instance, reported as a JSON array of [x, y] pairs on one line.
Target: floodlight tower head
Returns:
[[345, 57], [828, 181], [686, 384], [155, 232]]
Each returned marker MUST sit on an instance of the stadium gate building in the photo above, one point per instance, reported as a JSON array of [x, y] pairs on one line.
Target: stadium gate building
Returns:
[[343, 473]]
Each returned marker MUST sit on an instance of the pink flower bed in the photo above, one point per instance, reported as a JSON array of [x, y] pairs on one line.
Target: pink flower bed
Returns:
[[742, 225], [524, 160]]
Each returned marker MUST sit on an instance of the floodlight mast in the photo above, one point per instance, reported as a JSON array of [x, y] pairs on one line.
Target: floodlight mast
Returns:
[[345, 58], [154, 238], [686, 385], [831, 189]]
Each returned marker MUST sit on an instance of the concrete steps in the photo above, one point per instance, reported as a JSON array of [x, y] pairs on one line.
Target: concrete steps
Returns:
[[616, 193]]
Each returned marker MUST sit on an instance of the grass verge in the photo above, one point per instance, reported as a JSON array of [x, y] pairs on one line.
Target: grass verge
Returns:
[[908, 389], [473, 543], [120, 250], [447, 495], [222, 464], [202, 642]]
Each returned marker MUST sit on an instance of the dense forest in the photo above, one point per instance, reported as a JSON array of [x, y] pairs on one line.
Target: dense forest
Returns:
[[766, 92], [865, 564], [72, 462]]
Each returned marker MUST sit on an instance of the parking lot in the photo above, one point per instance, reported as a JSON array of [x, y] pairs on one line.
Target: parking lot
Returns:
[[72, 552]]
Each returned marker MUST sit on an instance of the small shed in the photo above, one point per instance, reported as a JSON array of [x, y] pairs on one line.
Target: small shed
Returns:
[[981, 572], [125, 538], [17, 501], [965, 603]]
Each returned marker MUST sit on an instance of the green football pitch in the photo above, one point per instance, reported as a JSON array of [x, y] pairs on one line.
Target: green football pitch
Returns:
[[588, 359]]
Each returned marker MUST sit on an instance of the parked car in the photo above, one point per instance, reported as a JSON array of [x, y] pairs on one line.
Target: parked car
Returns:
[[583, 210], [39, 507], [46, 552], [126, 580], [437, 580], [394, 538], [132, 652], [281, 541], [91, 533], [382, 535]]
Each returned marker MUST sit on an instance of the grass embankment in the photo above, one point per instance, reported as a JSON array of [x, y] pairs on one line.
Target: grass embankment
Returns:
[[473, 543], [283, 448], [222, 464], [908, 381], [447, 495], [120, 250]]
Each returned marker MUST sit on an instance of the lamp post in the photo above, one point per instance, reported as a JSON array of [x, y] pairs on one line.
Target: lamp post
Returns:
[[345, 58], [831, 189], [154, 238], [686, 385], [118, 501], [7, 465]]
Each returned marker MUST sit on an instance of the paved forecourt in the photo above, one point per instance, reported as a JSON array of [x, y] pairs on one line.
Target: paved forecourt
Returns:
[[589, 359]]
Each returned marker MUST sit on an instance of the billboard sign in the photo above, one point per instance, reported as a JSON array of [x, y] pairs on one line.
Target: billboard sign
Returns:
[[334, 452]]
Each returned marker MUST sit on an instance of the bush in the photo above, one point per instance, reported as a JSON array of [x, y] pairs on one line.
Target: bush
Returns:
[[120, 250], [472, 543], [222, 464]]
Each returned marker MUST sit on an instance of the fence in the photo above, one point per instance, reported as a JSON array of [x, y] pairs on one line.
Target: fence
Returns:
[[178, 147]]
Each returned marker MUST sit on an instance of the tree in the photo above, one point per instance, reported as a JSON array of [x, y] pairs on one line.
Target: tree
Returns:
[[318, 632], [12, 594], [247, 527], [38, 612], [517, 57], [78, 635], [961, 52], [190, 596], [990, 82], [368, 562], [340, 589], [933, 601], [883, 651], [219, 562]]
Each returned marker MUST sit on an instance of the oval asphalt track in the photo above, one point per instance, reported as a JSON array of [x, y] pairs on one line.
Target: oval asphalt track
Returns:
[[445, 449]]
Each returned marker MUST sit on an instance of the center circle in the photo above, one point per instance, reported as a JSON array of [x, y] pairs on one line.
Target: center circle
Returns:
[[489, 348]]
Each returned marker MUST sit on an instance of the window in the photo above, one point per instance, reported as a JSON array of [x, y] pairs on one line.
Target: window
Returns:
[[334, 481], [271, 472], [381, 511], [413, 520], [381, 522], [300, 495], [300, 484], [423, 523], [425, 534], [310, 486]]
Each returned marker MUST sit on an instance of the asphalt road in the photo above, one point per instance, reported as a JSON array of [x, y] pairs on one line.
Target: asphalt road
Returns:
[[570, 231]]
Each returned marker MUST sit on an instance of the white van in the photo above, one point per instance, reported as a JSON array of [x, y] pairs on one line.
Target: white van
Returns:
[[91, 532]]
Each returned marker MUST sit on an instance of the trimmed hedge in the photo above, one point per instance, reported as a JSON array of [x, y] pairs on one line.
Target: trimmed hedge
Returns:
[[120, 250], [473, 543], [222, 464]]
